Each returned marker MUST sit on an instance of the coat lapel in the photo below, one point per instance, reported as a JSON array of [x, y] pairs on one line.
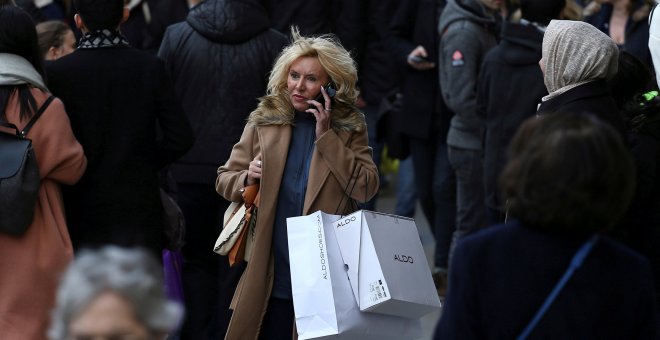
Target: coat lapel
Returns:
[[318, 174], [274, 143]]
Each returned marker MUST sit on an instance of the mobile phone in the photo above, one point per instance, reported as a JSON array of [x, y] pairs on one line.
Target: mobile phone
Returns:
[[417, 59], [330, 90]]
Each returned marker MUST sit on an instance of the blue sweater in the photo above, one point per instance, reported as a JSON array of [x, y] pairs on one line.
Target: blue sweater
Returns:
[[500, 276]]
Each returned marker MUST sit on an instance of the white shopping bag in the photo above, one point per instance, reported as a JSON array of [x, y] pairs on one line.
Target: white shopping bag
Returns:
[[322, 297], [386, 264]]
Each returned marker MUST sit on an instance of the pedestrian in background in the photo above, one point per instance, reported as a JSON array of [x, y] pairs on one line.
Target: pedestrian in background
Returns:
[[31, 264], [56, 39], [468, 30], [219, 59], [123, 110], [510, 87]]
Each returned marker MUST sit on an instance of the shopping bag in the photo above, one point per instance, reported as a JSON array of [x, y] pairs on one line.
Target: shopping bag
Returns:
[[386, 264], [322, 297]]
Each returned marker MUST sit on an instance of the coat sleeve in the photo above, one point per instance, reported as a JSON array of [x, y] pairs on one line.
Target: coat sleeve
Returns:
[[460, 61], [352, 164], [401, 31], [59, 155], [459, 313], [176, 133], [233, 175]]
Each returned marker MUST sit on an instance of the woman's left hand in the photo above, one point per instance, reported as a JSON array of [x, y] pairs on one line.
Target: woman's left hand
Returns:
[[322, 114]]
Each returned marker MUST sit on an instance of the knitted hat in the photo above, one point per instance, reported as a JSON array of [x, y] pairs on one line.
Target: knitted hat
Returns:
[[541, 11]]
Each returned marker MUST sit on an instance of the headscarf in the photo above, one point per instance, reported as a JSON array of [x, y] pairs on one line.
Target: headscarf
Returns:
[[16, 70], [576, 53], [654, 40]]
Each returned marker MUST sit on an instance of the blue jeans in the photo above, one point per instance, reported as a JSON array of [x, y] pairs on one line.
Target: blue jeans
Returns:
[[406, 199], [436, 190], [471, 213]]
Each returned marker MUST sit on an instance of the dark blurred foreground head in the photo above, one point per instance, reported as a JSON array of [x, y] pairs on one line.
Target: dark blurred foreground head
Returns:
[[567, 173]]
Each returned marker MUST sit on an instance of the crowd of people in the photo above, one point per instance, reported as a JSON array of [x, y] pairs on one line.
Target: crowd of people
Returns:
[[527, 130]]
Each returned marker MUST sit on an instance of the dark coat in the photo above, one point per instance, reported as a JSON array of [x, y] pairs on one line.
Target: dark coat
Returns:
[[124, 112], [592, 97], [636, 34], [510, 88], [500, 276], [219, 59], [145, 31], [414, 24], [344, 18], [379, 74]]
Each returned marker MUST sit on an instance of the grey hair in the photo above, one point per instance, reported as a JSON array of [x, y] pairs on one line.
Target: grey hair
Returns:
[[131, 273]]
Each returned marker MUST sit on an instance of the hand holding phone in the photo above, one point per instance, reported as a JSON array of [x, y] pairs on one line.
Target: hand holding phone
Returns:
[[417, 59], [330, 90]]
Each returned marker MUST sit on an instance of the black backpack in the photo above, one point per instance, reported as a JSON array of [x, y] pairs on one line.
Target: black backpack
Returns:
[[19, 177]]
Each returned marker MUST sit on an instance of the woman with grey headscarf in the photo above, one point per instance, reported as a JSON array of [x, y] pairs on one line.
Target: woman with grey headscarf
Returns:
[[577, 59]]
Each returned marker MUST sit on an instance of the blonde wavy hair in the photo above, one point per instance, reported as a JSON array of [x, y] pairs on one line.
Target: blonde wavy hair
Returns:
[[276, 107]]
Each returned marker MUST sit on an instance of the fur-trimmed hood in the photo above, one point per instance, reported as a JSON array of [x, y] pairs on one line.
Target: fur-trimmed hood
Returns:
[[276, 110]]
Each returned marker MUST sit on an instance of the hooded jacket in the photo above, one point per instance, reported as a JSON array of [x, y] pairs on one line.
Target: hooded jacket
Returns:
[[219, 59], [510, 88], [467, 32]]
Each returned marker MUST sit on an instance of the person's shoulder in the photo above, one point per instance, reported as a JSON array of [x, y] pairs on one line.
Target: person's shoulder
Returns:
[[495, 234]]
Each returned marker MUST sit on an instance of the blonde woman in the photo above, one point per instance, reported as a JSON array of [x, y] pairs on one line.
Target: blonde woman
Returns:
[[306, 154]]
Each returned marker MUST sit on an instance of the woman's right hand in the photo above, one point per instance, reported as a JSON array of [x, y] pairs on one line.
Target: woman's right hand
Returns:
[[254, 171]]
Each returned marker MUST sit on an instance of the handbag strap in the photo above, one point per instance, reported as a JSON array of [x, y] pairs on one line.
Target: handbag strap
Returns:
[[33, 120], [347, 194], [575, 263]]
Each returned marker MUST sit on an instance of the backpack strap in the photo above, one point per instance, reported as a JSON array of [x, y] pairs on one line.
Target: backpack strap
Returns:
[[36, 116]]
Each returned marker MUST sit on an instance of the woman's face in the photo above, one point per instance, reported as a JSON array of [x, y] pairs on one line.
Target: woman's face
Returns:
[[68, 46], [108, 316], [306, 76]]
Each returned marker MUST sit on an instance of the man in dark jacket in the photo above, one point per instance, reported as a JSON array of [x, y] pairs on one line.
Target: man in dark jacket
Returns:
[[425, 120], [219, 59], [344, 18], [467, 30], [510, 88], [123, 111]]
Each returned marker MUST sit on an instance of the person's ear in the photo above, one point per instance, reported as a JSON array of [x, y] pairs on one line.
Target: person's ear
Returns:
[[79, 22], [53, 53], [125, 15]]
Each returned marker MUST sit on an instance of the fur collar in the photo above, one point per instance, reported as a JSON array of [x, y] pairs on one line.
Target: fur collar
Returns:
[[277, 110]]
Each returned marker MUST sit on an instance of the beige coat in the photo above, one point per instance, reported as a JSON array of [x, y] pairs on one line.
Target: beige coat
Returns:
[[336, 155], [31, 265]]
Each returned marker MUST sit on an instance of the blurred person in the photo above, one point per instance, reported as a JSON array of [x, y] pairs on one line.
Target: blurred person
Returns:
[[31, 264], [113, 293], [148, 20], [573, 10], [635, 92], [424, 121], [123, 110], [344, 18], [577, 59], [468, 30], [378, 75], [219, 59], [56, 39], [306, 156], [510, 87], [626, 22], [568, 180]]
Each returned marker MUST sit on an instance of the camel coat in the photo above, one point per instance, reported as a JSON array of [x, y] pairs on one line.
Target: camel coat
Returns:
[[31, 265], [335, 156]]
